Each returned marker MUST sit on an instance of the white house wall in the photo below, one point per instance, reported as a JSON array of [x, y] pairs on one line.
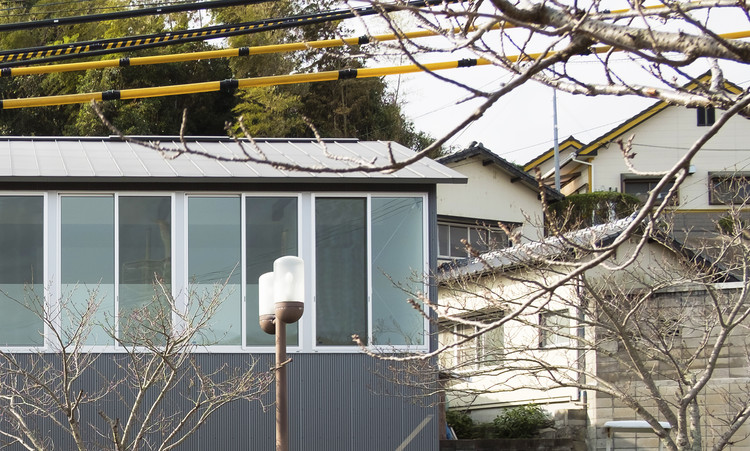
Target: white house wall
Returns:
[[490, 194], [659, 142]]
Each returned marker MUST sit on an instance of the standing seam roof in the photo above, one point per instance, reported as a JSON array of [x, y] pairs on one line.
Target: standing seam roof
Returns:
[[102, 157]]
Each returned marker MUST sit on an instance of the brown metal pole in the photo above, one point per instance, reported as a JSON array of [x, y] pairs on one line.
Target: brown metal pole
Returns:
[[282, 411]]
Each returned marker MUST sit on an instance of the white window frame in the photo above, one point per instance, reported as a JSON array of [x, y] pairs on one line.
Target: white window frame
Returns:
[[549, 339], [469, 228], [47, 282], [52, 236], [424, 347]]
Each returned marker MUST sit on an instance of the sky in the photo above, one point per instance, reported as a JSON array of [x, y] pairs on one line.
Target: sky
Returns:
[[520, 126]]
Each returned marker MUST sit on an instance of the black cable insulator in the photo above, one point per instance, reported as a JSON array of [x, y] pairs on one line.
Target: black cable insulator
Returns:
[[243, 51], [229, 85], [6, 72], [467, 62], [124, 62], [347, 74], [363, 40], [112, 94]]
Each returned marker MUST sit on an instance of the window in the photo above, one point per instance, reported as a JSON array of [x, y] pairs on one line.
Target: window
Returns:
[[554, 328], [145, 266], [482, 239], [486, 350], [129, 264], [87, 257], [397, 257], [271, 232], [728, 189], [214, 267], [389, 249], [706, 116], [22, 270], [642, 187]]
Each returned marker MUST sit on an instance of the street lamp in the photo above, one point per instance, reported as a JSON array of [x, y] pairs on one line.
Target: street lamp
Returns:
[[281, 302]]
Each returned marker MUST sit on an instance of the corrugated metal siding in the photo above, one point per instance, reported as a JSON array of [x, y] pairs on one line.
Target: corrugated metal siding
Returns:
[[337, 402]]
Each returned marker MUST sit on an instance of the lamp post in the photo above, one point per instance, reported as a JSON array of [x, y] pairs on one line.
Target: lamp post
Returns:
[[281, 302]]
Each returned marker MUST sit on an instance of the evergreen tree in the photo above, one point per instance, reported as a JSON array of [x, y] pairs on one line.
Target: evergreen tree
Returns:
[[349, 108]]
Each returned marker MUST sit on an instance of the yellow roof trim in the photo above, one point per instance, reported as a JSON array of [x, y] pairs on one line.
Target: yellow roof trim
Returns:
[[624, 127], [570, 142], [630, 123]]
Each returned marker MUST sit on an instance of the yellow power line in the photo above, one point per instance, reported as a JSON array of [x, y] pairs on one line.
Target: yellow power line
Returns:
[[232, 84], [245, 83], [212, 54]]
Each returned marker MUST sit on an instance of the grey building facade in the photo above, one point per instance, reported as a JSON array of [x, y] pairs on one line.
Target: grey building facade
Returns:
[[105, 217]]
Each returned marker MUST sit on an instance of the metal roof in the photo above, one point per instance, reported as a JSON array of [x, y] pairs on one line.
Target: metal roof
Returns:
[[516, 174], [112, 158], [527, 253]]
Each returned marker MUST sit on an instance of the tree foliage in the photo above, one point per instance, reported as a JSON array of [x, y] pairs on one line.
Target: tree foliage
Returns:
[[351, 108]]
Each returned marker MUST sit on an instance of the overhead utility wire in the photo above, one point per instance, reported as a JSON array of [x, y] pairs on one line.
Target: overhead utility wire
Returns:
[[231, 85], [150, 11], [14, 58], [211, 54], [81, 4]]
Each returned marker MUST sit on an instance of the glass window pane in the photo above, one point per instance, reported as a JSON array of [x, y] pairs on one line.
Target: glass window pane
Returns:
[[145, 247], [556, 327], [478, 240], [88, 268], [443, 237], [397, 258], [214, 273], [21, 270], [457, 248], [271, 228], [341, 270]]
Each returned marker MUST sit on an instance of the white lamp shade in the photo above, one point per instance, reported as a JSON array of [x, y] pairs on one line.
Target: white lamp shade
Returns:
[[265, 294], [289, 279]]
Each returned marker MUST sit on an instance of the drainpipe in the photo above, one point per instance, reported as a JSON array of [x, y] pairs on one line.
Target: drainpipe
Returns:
[[556, 145], [591, 171]]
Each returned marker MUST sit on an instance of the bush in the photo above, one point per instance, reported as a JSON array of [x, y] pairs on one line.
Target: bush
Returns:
[[522, 422], [584, 210], [461, 423]]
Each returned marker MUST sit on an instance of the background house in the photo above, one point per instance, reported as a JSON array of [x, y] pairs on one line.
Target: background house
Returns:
[[659, 136], [556, 350], [497, 192], [84, 214]]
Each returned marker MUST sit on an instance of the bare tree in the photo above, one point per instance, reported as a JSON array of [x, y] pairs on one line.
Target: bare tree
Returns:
[[658, 330], [160, 394]]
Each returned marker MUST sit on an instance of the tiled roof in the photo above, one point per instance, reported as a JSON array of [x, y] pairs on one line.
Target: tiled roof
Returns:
[[477, 149]]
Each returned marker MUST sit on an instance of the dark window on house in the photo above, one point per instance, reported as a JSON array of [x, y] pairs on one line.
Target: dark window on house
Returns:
[[641, 188], [482, 239], [270, 232], [484, 350], [706, 116], [554, 328], [728, 189]]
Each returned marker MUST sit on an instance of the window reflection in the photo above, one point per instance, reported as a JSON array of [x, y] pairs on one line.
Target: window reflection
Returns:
[[21, 270], [88, 267], [145, 247]]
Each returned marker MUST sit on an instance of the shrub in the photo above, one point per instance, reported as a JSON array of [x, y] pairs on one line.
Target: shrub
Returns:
[[522, 422], [584, 210], [461, 423]]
